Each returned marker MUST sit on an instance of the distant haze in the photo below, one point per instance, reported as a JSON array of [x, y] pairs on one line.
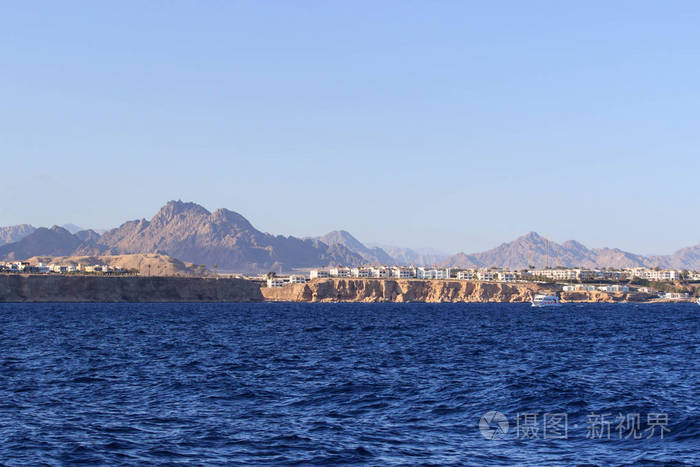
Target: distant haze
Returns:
[[451, 125]]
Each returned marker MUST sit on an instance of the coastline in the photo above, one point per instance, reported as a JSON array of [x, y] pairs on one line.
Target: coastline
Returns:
[[27, 288], [435, 291]]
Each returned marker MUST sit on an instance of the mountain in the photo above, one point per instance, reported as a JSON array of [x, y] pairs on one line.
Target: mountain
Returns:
[[72, 228], [15, 233], [224, 238], [370, 255], [409, 256], [685, 258], [55, 241], [532, 249], [87, 235]]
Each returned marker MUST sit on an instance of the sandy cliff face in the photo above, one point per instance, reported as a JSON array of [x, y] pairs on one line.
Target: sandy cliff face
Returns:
[[374, 290], [432, 291]]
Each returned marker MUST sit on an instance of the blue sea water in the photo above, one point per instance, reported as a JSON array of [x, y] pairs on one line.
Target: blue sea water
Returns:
[[368, 384]]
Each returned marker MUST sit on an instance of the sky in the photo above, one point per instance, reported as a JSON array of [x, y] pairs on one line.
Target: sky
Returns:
[[451, 124]]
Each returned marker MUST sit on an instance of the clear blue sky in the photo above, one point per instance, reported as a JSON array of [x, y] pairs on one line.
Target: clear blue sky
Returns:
[[451, 124]]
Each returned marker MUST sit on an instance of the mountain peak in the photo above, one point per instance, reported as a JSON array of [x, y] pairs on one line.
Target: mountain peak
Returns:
[[60, 230], [533, 237], [232, 218], [174, 208], [344, 238]]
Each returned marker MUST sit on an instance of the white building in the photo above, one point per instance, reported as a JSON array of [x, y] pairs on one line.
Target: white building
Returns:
[[58, 268], [318, 274], [465, 275], [296, 279], [676, 295], [401, 273], [275, 282], [652, 275], [380, 272], [582, 287], [614, 288], [432, 273], [424, 273], [486, 275], [567, 274], [340, 272], [506, 276], [360, 272]]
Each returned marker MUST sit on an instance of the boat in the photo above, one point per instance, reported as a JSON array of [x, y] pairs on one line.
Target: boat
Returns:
[[545, 300], [698, 301]]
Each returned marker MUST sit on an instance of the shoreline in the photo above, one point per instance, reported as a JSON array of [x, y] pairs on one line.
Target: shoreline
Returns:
[[37, 288]]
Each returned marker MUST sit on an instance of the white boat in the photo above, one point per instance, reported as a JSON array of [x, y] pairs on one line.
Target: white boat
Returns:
[[545, 300]]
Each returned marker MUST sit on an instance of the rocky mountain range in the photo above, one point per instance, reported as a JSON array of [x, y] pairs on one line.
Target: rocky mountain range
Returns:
[[416, 257], [373, 255], [225, 239], [190, 233], [55, 241], [533, 249], [15, 233]]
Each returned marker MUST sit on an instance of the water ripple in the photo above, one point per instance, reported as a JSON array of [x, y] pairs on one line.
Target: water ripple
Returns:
[[322, 384]]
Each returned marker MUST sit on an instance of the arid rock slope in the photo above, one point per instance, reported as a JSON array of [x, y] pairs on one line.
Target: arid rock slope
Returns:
[[533, 249], [62, 288], [433, 291], [224, 238], [15, 233]]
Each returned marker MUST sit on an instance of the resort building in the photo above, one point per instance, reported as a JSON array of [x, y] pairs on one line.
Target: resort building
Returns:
[[340, 272], [275, 282], [360, 272], [653, 275], [402, 273], [381, 272], [318, 274], [465, 275], [566, 274], [580, 287], [614, 288], [486, 275], [675, 295], [432, 273], [296, 279], [506, 276]]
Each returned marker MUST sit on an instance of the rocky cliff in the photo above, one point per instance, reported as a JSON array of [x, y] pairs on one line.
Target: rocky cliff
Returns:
[[435, 291], [402, 290], [57, 288]]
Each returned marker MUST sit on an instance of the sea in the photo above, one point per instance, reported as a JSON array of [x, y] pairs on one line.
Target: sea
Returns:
[[349, 384]]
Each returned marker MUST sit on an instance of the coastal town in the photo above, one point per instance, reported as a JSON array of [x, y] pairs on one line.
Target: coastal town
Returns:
[[646, 280], [42, 268], [667, 284]]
